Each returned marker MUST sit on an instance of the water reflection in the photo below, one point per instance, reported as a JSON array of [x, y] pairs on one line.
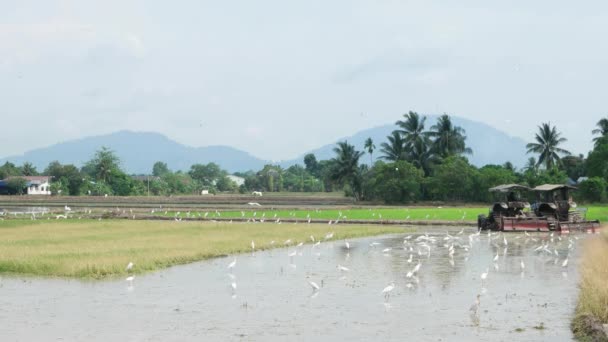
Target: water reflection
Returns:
[[269, 295]]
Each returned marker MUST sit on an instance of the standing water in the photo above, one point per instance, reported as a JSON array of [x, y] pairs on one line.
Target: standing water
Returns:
[[528, 294]]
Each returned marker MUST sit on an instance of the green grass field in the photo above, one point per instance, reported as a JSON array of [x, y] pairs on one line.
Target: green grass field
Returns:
[[595, 212], [98, 249]]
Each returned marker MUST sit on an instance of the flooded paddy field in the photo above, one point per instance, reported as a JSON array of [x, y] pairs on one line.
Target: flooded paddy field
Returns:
[[528, 294]]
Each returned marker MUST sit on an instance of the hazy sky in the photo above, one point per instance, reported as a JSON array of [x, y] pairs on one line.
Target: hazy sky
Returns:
[[277, 78]]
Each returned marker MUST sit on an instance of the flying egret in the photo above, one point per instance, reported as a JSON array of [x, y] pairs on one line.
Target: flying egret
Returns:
[[387, 290], [342, 268]]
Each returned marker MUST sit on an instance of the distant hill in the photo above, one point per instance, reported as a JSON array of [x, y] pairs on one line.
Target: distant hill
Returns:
[[139, 151], [489, 145]]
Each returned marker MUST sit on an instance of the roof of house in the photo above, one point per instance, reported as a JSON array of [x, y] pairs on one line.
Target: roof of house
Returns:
[[35, 180]]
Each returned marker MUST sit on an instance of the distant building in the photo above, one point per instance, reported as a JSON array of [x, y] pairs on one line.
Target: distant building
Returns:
[[146, 178], [36, 185], [238, 180]]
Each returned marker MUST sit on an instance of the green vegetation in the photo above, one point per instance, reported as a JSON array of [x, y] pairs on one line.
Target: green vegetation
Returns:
[[596, 212], [97, 249], [417, 165], [592, 307]]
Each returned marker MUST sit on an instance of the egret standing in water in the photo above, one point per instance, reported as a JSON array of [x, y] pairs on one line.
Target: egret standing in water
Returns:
[[232, 264], [387, 290]]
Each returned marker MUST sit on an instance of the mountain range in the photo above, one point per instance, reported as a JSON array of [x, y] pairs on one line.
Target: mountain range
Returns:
[[138, 151]]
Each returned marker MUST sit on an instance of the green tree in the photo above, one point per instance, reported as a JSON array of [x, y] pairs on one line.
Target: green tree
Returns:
[[395, 149], [490, 176], [412, 129], [28, 169], [602, 130], [311, 164], [574, 166], [398, 182], [593, 189], [346, 167], [207, 174], [597, 161], [9, 169], [453, 179], [159, 168], [370, 147], [546, 146], [448, 140], [16, 185], [104, 164], [72, 180], [423, 156]]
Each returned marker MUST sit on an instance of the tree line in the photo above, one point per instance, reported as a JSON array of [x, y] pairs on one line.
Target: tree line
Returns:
[[414, 164]]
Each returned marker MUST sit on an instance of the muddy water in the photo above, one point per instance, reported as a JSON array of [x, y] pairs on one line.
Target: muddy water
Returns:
[[274, 301]]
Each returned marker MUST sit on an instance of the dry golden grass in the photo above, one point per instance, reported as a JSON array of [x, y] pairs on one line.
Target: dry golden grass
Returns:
[[97, 249], [593, 297]]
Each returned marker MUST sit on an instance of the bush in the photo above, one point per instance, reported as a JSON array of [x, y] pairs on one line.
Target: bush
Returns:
[[593, 190]]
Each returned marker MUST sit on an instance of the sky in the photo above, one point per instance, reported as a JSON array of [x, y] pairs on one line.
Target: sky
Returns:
[[278, 78]]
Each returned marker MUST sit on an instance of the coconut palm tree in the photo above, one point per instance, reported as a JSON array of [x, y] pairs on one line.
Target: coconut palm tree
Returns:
[[423, 156], [346, 167], [448, 140], [602, 130], [395, 149], [370, 147], [412, 128], [547, 141], [531, 165]]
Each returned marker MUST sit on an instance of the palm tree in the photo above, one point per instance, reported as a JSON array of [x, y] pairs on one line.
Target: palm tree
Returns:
[[448, 140], [546, 145], [412, 128], [369, 145], [531, 165], [395, 149], [422, 156], [602, 130], [28, 169], [346, 166]]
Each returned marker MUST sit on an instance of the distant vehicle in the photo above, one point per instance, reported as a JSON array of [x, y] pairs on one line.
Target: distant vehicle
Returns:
[[554, 209]]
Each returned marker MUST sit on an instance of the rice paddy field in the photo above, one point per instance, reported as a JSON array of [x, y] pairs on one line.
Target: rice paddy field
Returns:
[[98, 249], [595, 212]]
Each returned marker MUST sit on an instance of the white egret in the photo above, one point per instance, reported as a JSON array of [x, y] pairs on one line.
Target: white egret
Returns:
[[565, 263], [252, 246], [410, 258], [386, 250], [496, 257], [312, 238], [484, 275], [314, 285], [342, 268], [129, 266], [233, 285], [522, 265], [387, 290], [346, 244], [232, 264], [67, 208]]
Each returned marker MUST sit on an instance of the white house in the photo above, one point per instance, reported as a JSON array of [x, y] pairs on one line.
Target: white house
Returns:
[[38, 185]]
